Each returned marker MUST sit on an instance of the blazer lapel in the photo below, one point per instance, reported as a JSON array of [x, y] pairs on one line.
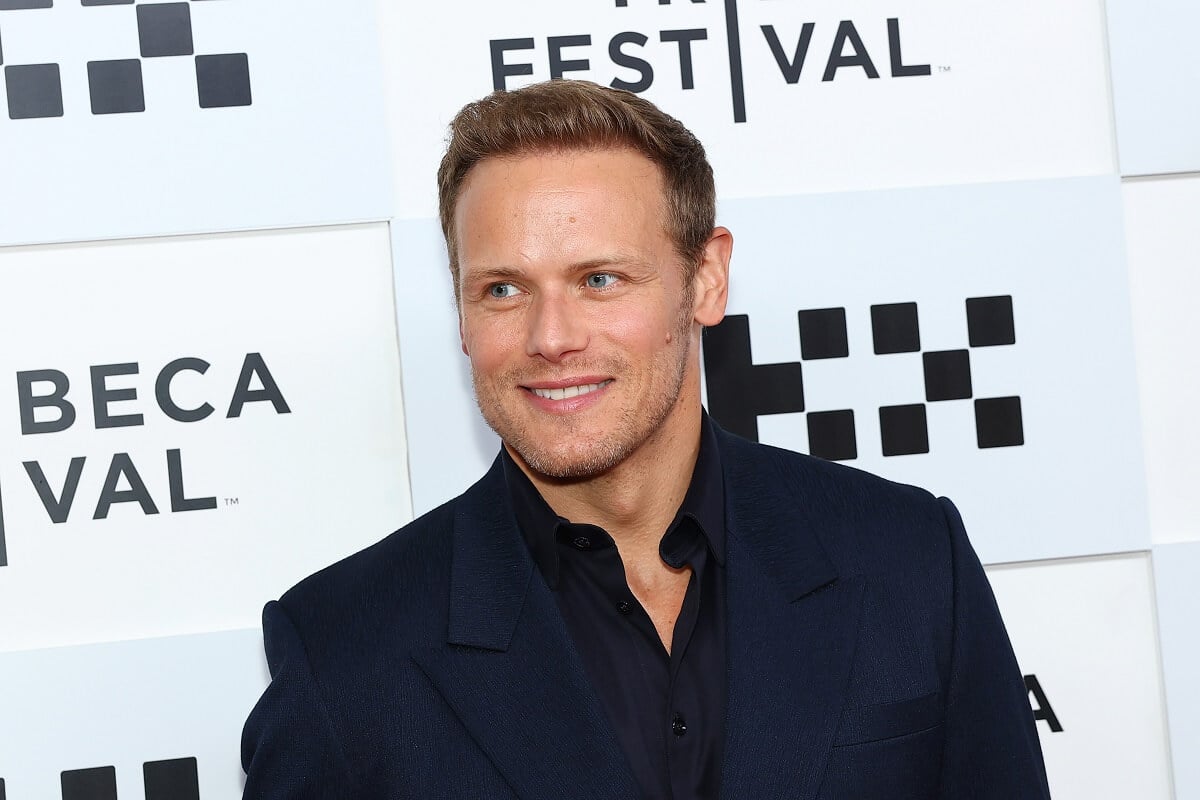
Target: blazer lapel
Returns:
[[792, 627], [509, 669]]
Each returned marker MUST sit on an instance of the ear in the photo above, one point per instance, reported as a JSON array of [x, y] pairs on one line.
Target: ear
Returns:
[[711, 282], [462, 339]]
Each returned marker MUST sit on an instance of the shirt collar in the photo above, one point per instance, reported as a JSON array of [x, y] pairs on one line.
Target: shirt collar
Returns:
[[703, 507]]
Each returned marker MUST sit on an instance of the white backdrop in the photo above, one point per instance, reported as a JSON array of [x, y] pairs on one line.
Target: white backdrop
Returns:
[[1075, 486], [122, 704], [1164, 253], [1085, 629], [1175, 568], [1016, 90], [981, 163], [310, 148], [299, 477], [1154, 70]]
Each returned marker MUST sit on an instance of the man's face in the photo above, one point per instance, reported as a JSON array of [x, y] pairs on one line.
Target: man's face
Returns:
[[573, 308]]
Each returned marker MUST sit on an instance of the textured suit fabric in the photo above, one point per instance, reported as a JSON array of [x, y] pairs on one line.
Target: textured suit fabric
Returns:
[[866, 658]]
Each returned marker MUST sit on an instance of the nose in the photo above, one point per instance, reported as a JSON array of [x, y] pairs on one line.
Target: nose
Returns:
[[557, 327]]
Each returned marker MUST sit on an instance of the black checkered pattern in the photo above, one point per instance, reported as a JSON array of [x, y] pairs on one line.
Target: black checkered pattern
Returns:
[[172, 779], [116, 86], [894, 328], [34, 91], [96, 783], [740, 391], [831, 435], [903, 430]]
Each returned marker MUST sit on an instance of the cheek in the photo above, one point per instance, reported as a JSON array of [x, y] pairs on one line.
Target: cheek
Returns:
[[491, 343], [641, 327]]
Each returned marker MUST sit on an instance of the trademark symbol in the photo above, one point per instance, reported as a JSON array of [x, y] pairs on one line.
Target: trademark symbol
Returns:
[[231, 501], [943, 69]]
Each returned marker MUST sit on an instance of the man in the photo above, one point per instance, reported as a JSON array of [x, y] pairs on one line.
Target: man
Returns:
[[632, 603]]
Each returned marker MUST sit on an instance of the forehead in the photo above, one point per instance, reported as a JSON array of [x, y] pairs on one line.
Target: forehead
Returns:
[[559, 198]]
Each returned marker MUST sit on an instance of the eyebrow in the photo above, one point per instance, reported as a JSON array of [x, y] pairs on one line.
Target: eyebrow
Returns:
[[492, 274]]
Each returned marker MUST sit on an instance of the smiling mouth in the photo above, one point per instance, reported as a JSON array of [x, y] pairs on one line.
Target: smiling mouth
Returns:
[[570, 391]]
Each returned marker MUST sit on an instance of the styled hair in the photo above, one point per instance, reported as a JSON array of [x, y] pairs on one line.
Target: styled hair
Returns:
[[560, 115]]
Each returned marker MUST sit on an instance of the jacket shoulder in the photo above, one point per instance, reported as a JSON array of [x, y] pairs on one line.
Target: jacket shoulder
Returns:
[[396, 585], [834, 484], [864, 523]]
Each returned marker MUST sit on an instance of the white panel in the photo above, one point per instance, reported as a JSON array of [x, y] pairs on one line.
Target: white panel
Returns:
[[1075, 486], [311, 146], [1163, 240], [1015, 90], [449, 445], [124, 704], [1085, 630], [291, 492], [1176, 567], [1155, 69]]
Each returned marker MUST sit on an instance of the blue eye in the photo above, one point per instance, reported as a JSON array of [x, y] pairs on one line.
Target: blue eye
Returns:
[[502, 290], [601, 280]]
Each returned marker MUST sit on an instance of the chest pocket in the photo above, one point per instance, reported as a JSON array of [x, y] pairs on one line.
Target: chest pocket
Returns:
[[889, 720]]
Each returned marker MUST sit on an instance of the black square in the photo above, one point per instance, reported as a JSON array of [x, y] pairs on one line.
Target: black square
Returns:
[[106, 2], [34, 91], [116, 86], [990, 321], [1, 788], [173, 779], [947, 375], [831, 435], [97, 783], [894, 328], [998, 422], [21, 5], [223, 80], [165, 29], [904, 430], [823, 333]]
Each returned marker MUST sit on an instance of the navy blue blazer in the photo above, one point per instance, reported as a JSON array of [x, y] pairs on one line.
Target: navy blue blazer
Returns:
[[867, 658]]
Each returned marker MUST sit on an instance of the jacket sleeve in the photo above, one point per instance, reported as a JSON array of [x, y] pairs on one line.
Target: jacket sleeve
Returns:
[[289, 746], [991, 742]]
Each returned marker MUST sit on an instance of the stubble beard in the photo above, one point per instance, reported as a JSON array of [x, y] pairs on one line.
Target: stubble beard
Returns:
[[638, 422]]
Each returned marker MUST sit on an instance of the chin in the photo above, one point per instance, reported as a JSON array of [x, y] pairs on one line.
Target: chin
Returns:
[[573, 464]]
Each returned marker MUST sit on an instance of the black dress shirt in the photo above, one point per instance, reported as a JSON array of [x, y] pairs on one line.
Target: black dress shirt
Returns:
[[668, 711]]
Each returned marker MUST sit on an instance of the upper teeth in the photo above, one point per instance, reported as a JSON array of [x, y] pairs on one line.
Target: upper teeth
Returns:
[[569, 391]]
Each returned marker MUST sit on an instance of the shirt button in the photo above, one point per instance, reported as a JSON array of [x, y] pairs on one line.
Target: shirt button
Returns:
[[581, 542], [624, 606], [678, 726]]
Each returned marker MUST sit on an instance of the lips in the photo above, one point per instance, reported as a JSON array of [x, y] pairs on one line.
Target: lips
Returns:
[[567, 392]]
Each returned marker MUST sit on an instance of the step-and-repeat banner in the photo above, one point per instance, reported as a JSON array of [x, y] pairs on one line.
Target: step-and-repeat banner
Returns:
[[1084, 634], [943, 274], [153, 716], [946, 337], [191, 425], [129, 119], [787, 97]]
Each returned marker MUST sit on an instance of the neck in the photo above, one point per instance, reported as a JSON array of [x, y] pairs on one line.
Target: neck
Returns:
[[636, 500]]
